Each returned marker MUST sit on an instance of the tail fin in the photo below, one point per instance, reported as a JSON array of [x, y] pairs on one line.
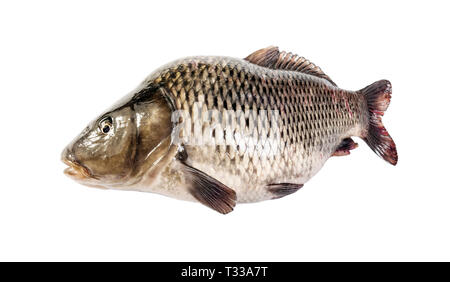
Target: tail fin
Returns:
[[378, 96]]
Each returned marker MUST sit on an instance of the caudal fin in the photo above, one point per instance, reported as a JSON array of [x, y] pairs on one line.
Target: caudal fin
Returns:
[[378, 96]]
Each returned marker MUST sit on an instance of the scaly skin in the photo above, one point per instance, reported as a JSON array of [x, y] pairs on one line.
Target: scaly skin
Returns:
[[314, 117]]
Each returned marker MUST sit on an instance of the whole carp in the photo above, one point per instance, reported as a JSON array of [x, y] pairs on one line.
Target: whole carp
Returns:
[[222, 130]]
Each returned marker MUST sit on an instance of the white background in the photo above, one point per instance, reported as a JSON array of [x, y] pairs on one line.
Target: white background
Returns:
[[63, 62]]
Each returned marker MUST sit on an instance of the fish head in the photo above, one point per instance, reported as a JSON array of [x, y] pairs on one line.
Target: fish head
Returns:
[[102, 153], [117, 148]]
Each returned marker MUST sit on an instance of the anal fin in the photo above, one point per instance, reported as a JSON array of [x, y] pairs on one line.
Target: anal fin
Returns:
[[280, 190], [209, 191], [344, 148]]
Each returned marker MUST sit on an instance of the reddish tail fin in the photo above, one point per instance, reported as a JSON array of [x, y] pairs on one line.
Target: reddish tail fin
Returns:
[[378, 96]]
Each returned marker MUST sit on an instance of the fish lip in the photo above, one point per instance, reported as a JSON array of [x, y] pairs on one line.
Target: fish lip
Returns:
[[76, 170]]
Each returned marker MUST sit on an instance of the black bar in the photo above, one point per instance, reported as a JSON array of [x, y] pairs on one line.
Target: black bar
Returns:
[[227, 271]]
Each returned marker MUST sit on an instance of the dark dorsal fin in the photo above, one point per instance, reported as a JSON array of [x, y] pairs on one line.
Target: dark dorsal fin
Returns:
[[272, 58]]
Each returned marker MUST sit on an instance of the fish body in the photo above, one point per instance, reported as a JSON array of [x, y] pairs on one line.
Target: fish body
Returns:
[[222, 130]]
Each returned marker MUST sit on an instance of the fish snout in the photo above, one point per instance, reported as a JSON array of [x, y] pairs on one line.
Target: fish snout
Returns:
[[75, 169]]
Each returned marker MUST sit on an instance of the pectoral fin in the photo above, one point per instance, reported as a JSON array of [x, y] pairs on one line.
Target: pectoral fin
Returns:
[[209, 191], [344, 148]]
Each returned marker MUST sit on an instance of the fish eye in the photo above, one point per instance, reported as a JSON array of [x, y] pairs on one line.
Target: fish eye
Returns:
[[106, 125], [106, 128]]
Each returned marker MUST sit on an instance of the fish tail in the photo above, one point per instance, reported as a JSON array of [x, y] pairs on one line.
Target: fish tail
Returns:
[[378, 96]]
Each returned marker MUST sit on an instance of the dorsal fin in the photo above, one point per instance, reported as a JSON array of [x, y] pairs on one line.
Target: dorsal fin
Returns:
[[272, 58]]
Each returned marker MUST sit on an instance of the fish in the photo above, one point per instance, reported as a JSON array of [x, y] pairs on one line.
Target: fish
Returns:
[[220, 130]]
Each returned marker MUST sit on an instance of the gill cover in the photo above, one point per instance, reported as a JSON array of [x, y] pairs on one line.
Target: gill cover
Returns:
[[154, 127]]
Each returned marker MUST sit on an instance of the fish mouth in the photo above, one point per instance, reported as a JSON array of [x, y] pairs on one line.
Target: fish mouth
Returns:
[[76, 170]]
